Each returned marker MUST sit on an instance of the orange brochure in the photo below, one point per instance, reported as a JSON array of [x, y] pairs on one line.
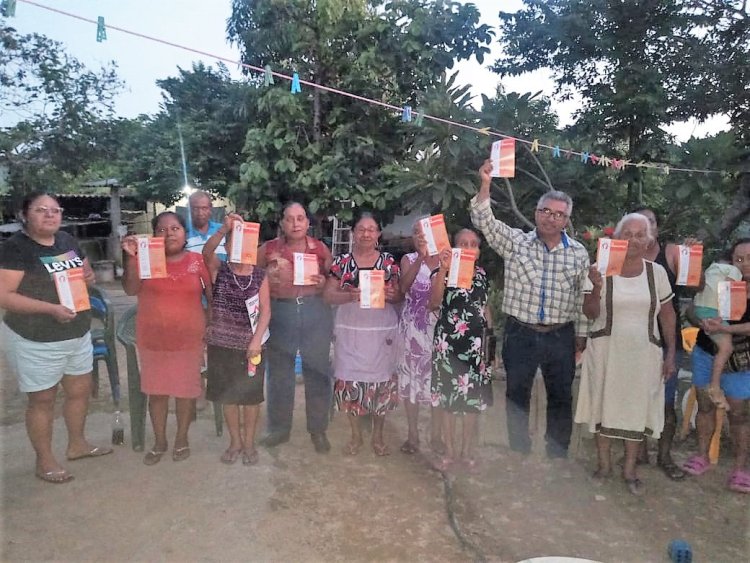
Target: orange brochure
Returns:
[[689, 265], [305, 267], [371, 289], [461, 272], [152, 261], [732, 300], [610, 256], [435, 234], [503, 157], [244, 243], [71, 289]]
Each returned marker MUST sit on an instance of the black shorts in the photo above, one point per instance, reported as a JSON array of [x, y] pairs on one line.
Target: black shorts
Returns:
[[228, 382]]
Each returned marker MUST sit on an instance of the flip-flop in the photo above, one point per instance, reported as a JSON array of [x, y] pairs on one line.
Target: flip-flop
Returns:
[[181, 454], [96, 451], [381, 450], [352, 448], [696, 465], [635, 486], [672, 470], [739, 481], [56, 477], [249, 458], [230, 456], [153, 457], [409, 448]]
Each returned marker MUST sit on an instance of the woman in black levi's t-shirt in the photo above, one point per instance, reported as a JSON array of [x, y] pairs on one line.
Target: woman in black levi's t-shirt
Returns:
[[48, 343]]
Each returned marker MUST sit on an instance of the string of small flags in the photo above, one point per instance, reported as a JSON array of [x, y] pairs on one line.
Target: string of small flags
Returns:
[[408, 114]]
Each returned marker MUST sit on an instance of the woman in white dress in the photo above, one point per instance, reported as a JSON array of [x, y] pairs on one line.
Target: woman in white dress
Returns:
[[622, 382]]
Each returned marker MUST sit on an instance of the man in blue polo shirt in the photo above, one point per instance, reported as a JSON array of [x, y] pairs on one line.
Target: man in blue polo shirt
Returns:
[[201, 226]]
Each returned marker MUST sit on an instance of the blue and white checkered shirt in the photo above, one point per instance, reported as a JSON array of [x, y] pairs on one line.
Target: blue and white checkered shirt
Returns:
[[542, 286]]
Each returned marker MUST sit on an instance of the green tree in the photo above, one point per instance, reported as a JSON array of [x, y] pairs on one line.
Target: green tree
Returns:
[[325, 148], [53, 106]]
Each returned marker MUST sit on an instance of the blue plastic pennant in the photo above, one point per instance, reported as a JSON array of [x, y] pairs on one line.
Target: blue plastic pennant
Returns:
[[296, 88], [419, 120], [101, 30], [406, 114], [584, 157], [556, 151]]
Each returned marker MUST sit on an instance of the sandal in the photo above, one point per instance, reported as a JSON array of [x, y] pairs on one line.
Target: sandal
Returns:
[[181, 454], [739, 481], [352, 448], [381, 449], [696, 465], [443, 463], [95, 451], [153, 457], [57, 477], [635, 486], [672, 470], [409, 448], [249, 458], [230, 456]]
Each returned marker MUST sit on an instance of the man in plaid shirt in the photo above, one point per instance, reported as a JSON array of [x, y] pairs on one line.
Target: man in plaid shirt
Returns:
[[546, 272]]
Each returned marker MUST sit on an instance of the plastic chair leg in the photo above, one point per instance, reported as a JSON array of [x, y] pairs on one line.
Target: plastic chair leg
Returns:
[[114, 378], [95, 379], [136, 402], [714, 445], [688, 414], [218, 418]]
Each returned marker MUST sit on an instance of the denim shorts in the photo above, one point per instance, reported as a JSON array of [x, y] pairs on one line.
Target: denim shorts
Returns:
[[41, 365], [736, 385]]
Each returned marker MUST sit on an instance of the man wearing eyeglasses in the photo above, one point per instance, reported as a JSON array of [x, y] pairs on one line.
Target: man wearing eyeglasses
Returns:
[[201, 226], [546, 272]]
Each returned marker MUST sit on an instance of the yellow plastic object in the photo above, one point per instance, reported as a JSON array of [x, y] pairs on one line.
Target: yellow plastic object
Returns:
[[255, 360], [689, 336]]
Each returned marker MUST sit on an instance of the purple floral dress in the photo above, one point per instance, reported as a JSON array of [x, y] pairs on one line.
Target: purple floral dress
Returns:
[[417, 328], [460, 378]]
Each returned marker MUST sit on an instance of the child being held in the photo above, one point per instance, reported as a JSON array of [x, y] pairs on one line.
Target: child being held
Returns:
[[706, 304]]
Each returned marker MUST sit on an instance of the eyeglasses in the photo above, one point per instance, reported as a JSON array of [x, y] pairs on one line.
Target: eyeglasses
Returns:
[[43, 209], [556, 215], [173, 229]]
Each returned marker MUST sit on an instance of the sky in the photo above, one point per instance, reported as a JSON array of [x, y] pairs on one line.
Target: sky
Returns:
[[201, 25]]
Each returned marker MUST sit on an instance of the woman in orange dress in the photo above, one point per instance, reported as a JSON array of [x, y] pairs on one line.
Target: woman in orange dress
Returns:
[[169, 332]]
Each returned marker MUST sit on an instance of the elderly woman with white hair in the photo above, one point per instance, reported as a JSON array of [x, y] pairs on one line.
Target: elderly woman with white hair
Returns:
[[622, 381]]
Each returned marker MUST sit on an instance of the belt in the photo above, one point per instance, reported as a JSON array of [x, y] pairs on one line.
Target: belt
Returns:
[[541, 327], [300, 300]]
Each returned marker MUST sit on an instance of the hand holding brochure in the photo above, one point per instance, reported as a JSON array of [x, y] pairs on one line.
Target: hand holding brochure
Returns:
[[689, 265], [244, 243], [435, 234], [152, 260], [371, 289], [610, 256], [71, 289], [461, 272], [732, 300], [305, 268]]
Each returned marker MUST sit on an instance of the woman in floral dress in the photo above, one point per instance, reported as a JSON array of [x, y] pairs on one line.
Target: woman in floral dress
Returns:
[[366, 351], [417, 328], [460, 378]]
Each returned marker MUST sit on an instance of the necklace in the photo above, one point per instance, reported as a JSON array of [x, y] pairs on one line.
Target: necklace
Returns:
[[243, 288]]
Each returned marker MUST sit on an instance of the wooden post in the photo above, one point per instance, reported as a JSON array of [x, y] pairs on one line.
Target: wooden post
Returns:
[[115, 251]]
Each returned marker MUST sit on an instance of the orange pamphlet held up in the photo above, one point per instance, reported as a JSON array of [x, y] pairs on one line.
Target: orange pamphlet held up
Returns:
[[152, 261], [503, 157], [689, 265], [435, 234], [461, 272], [305, 269], [71, 289], [610, 256], [371, 289], [244, 243], [732, 300]]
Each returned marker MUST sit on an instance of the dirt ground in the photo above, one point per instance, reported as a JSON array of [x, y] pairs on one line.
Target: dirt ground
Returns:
[[296, 505]]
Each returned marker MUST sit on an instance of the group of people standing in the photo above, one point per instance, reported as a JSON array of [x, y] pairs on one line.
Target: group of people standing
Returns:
[[254, 328]]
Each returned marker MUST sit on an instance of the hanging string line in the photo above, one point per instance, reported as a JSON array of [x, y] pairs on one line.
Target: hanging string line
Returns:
[[482, 131]]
